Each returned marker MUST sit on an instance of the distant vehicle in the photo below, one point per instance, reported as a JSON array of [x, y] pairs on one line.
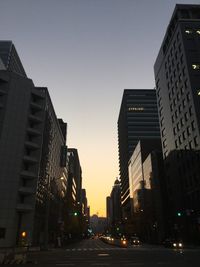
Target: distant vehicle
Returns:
[[135, 240], [123, 242], [173, 243]]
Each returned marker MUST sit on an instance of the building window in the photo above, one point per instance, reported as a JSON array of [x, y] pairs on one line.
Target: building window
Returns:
[[190, 111], [189, 130], [174, 130], [184, 102], [176, 143], [164, 143], [190, 145], [182, 121], [188, 97], [186, 116], [196, 66], [180, 139], [178, 126], [2, 233], [183, 134], [182, 90], [188, 31], [186, 84], [196, 141], [163, 132], [180, 108], [183, 71], [193, 125], [175, 101]]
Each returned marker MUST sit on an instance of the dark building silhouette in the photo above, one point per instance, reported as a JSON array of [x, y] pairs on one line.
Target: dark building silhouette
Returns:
[[31, 141], [138, 119], [177, 75], [74, 194]]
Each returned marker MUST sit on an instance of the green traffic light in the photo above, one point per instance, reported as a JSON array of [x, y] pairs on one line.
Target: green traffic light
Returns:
[[75, 213], [179, 214]]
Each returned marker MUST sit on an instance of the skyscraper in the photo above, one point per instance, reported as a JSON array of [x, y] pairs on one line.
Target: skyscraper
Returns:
[[138, 119], [177, 75]]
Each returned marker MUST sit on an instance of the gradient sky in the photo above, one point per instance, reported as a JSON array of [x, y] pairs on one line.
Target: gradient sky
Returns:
[[86, 52]]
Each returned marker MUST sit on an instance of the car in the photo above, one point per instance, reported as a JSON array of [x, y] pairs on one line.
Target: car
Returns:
[[123, 242], [173, 243], [135, 240]]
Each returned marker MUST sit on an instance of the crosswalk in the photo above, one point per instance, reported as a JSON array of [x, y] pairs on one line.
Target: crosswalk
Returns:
[[97, 249]]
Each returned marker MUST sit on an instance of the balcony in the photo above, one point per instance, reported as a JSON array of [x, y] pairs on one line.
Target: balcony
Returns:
[[32, 145], [26, 190], [30, 159], [36, 106], [35, 118], [28, 175], [24, 207], [33, 131]]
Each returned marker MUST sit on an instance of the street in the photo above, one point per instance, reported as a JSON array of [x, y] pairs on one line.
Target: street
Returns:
[[94, 252]]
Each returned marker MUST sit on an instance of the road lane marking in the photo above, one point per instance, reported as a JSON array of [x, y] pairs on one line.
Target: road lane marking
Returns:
[[100, 264], [65, 264], [103, 254]]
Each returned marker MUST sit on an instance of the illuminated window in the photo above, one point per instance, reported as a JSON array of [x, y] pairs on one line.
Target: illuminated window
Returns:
[[189, 31], [136, 109], [196, 66]]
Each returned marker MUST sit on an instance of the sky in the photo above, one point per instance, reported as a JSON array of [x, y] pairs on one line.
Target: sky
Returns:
[[87, 52]]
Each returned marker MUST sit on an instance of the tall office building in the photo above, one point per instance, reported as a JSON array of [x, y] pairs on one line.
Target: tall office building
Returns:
[[31, 156], [138, 119], [177, 75]]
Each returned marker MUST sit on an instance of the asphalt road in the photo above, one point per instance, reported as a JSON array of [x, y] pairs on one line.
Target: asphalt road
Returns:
[[94, 252]]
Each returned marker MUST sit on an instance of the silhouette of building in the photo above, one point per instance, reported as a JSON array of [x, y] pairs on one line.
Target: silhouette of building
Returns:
[[177, 75], [31, 142], [74, 194], [138, 119]]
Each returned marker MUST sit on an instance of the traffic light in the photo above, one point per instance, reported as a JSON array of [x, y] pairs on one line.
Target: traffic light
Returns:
[[75, 213], [179, 214]]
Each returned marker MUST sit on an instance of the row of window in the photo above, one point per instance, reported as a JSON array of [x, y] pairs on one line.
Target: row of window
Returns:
[[191, 144], [192, 31]]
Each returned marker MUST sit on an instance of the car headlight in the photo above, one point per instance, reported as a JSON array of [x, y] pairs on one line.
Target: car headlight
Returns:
[[180, 245], [174, 244]]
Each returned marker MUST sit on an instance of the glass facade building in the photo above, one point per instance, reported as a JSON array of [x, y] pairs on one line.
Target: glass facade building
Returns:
[[138, 119]]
